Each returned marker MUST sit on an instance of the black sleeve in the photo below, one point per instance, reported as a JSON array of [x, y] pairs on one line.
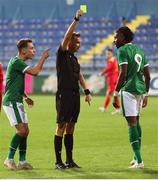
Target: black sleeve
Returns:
[[61, 54], [60, 50]]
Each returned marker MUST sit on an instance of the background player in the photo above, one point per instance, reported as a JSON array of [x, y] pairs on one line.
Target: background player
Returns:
[[111, 71]]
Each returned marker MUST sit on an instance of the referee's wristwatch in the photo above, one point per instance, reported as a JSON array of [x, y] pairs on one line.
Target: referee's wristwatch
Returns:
[[76, 19], [87, 92]]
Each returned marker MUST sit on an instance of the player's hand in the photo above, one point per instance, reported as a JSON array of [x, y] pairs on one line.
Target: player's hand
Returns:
[[79, 13], [145, 101], [45, 54], [29, 101], [115, 102], [88, 99]]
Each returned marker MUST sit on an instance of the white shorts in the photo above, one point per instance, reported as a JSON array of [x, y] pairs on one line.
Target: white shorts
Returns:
[[131, 103], [15, 113]]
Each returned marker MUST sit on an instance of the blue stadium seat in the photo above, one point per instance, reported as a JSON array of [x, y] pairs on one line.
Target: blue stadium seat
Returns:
[[49, 33]]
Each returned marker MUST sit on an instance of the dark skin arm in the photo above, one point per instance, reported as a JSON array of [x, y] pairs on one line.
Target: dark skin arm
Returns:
[[120, 82], [147, 83]]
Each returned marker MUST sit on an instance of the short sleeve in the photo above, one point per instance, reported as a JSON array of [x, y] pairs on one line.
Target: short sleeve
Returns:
[[61, 55], [121, 57], [20, 65], [60, 51]]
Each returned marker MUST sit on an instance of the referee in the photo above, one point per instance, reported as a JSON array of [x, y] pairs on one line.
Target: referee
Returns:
[[67, 97]]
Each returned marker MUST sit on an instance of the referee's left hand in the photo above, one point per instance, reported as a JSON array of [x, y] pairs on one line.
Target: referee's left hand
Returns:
[[88, 99]]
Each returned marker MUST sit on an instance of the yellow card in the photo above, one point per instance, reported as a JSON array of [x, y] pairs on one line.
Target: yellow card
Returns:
[[83, 7]]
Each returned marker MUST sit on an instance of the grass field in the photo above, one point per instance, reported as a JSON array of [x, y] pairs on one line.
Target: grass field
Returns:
[[101, 143]]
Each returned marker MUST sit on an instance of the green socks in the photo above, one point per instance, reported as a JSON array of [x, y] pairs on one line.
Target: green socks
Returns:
[[140, 136], [16, 140], [21, 142], [140, 133], [22, 149], [135, 143]]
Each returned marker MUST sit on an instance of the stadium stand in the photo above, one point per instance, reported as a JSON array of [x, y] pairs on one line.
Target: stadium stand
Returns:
[[48, 34], [147, 37], [47, 28], [97, 34]]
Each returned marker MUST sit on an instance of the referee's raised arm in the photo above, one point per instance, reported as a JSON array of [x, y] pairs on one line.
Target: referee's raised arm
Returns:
[[70, 30]]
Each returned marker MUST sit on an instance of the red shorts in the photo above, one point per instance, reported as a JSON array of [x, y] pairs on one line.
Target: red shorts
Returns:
[[110, 89], [111, 83]]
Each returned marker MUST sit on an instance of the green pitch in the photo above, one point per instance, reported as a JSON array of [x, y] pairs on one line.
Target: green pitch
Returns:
[[101, 143]]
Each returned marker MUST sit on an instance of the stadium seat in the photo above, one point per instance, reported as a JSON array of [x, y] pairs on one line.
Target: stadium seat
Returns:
[[49, 33]]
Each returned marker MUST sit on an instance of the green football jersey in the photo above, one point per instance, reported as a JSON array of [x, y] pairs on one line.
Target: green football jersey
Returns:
[[135, 59], [14, 89]]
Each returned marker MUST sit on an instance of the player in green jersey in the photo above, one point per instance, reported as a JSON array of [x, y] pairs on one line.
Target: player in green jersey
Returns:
[[13, 100], [134, 80]]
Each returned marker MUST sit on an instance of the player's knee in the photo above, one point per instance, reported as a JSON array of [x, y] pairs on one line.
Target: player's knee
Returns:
[[69, 131], [60, 129], [23, 132], [131, 124], [59, 132], [132, 121], [70, 128]]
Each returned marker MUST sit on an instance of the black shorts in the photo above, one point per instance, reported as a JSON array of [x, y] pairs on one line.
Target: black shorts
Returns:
[[67, 106]]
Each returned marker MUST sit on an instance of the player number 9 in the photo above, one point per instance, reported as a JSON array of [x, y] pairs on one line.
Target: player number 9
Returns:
[[138, 60]]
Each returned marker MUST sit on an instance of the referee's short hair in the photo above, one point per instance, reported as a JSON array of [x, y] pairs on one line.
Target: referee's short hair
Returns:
[[128, 34], [23, 43]]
